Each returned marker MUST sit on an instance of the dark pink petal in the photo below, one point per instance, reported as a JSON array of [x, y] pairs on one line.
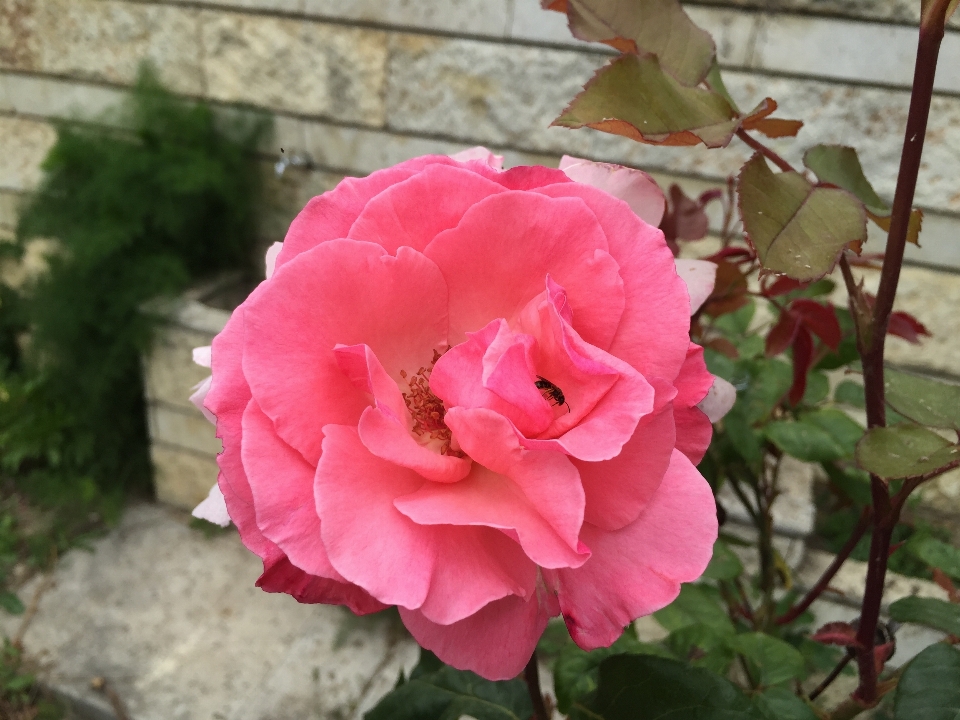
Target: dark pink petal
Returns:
[[342, 292], [281, 482], [548, 480], [400, 216], [618, 489], [496, 260], [527, 177], [634, 187], [461, 378], [655, 343], [694, 381], [330, 216], [694, 432], [496, 642], [279, 576], [638, 569], [475, 566], [605, 396], [368, 540]]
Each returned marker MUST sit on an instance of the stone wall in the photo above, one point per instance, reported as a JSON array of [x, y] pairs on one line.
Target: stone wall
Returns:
[[360, 84]]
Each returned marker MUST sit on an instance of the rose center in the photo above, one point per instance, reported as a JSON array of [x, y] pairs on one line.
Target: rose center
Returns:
[[427, 409]]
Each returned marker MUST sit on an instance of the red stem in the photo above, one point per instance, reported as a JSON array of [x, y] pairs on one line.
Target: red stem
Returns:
[[821, 585], [531, 674], [764, 150], [886, 515]]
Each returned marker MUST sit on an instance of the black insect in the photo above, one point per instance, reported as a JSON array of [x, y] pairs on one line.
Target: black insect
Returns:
[[551, 391]]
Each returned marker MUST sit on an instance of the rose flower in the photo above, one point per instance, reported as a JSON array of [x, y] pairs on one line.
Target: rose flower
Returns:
[[471, 393]]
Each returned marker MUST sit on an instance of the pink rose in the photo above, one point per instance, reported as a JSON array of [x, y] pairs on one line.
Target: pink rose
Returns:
[[472, 394]]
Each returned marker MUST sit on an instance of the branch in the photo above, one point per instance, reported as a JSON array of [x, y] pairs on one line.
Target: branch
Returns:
[[531, 674], [828, 575], [764, 150]]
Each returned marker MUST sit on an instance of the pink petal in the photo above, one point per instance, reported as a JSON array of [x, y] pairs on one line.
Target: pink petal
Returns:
[[638, 569], [488, 499], [199, 396], [273, 252], [281, 482], [548, 480], [655, 343], [634, 187], [606, 397], [475, 566], [719, 400], [496, 642], [213, 508], [341, 292], [228, 398], [458, 380], [481, 155], [367, 539], [201, 356], [330, 216], [496, 260], [399, 216], [700, 276], [618, 489], [280, 576]]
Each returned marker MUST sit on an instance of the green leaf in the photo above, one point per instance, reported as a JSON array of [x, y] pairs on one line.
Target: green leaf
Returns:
[[743, 437], [805, 441], [637, 686], [842, 428], [925, 401], [850, 393], [778, 703], [660, 27], [775, 660], [904, 450], [818, 387], [769, 382], [696, 604], [929, 688], [447, 693], [703, 646], [724, 565], [932, 612], [840, 166], [854, 483], [11, 603], [936, 553], [796, 228], [575, 672], [633, 97]]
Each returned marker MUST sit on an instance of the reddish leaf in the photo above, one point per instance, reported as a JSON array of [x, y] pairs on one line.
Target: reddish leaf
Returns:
[[941, 579], [821, 320], [741, 255], [882, 653], [837, 633], [724, 347], [685, 218], [906, 326], [781, 286], [802, 360], [556, 5], [771, 127], [729, 291], [782, 334]]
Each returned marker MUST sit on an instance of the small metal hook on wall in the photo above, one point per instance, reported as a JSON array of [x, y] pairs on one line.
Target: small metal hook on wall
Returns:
[[293, 159]]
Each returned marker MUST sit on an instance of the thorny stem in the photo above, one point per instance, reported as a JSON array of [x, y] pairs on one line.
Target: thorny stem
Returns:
[[821, 584], [765, 496], [531, 674], [885, 516], [764, 150]]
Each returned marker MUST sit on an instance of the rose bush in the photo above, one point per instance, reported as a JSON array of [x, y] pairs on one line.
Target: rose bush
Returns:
[[471, 393]]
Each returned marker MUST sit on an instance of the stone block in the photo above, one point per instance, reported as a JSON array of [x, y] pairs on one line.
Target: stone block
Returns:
[[9, 212], [172, 620], [183, 428], [55, 98], [293, 65], [169, 370], [106, 40], [896, 11], [25, 145], [182, 477], [473, 17]]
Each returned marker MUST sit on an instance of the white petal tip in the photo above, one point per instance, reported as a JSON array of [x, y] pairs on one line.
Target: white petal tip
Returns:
[[700, 277], [482, 154], [213, 509], [720, 398]]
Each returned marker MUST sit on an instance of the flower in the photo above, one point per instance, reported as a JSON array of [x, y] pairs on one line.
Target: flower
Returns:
[[471, 393]]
